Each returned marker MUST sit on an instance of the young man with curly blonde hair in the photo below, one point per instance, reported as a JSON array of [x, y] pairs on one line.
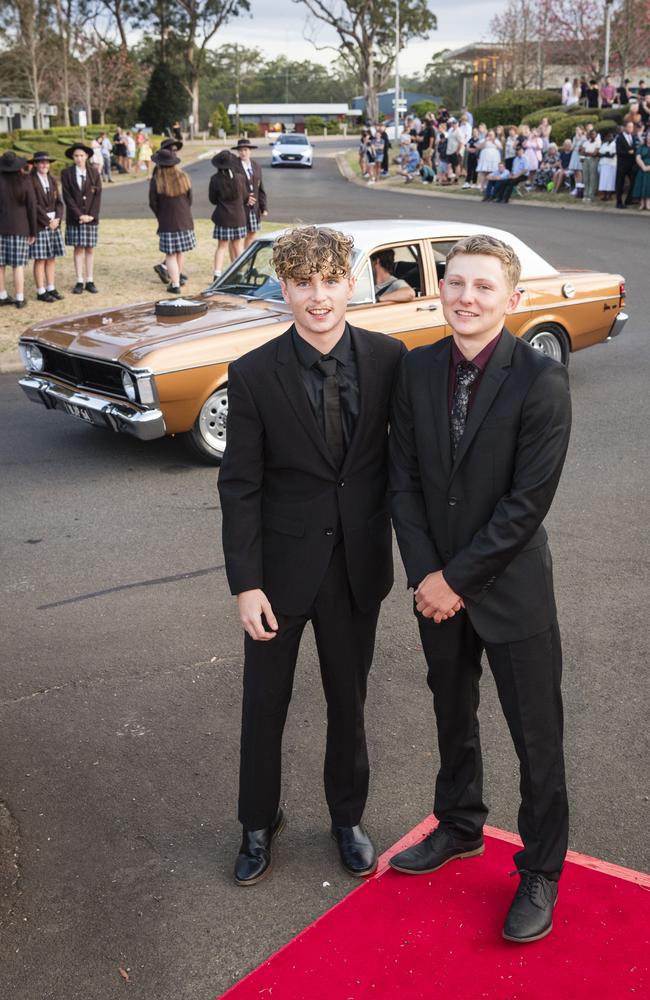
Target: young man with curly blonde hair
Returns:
[[307, 536]]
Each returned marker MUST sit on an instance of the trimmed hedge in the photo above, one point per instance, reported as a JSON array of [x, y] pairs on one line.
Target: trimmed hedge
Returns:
[[576, 113], [65, 132], [512, 106]]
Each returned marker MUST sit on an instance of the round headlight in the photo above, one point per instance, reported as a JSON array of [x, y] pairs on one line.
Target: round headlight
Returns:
[[129, 387], [32, 357]]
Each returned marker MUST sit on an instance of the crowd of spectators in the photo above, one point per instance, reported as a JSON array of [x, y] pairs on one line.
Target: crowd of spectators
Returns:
[[444, 150], [125, 152]]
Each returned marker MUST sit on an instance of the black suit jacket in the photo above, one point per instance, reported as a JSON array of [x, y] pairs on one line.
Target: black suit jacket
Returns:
[[255, 186], [625, 152], [81, 201], [50, 202], [282, 495], [479, 519]]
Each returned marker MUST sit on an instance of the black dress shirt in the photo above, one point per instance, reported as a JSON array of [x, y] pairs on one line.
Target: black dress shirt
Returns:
[[346, 375]]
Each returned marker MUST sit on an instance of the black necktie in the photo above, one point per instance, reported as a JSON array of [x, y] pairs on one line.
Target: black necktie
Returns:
[[466, 374], [332, 408]]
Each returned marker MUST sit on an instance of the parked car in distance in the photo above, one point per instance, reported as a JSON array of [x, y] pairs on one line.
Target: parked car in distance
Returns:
[[138, 372], [292, 149]]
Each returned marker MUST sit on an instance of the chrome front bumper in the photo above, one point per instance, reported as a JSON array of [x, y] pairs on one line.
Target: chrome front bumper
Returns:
[[619, 323], [120, 417]]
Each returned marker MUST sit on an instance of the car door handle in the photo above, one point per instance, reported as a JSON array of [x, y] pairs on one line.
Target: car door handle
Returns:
[[431, 308]]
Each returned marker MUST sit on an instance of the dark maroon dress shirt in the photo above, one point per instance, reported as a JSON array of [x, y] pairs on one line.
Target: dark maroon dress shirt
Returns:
[[480, 361]]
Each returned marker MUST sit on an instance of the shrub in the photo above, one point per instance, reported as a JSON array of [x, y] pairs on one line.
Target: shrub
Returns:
[[252, 128], [421, 108], [315, 125], [606, 125], [512, 105]]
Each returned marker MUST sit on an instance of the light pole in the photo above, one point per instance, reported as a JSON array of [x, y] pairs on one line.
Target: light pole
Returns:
[[608, 18], [397, 109]]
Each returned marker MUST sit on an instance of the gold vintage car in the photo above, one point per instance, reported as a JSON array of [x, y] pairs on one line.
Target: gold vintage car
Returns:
[[137, 372]]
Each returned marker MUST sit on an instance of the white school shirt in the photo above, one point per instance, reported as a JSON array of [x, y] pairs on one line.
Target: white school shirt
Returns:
[[80, 177]]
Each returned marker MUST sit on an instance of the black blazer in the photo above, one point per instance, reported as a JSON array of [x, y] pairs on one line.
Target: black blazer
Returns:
[[255, 186], [81, 201], [625, 152], [50, 202], [174, 215], [480, 518], [17, 218], [282, 495], [230, 214]]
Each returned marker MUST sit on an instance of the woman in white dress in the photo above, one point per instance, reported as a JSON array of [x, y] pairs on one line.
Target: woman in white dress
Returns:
[[607, 167], [489, 158], [533, 154], [575, 163]]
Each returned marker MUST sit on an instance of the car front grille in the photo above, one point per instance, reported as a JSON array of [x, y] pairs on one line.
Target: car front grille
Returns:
[[290, 156], [84, 372]]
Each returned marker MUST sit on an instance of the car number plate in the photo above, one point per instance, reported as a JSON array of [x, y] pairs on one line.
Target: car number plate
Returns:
[[78, 411]]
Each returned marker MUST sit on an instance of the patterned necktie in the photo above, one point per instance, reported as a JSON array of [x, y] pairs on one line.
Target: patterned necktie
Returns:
[[332, 408], [466, 374]]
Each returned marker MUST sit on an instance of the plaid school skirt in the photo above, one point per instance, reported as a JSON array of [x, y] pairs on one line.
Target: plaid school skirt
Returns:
[[14, 251], [178, 242], [49, 243], [229, 233], [254, 225], [77, 235]]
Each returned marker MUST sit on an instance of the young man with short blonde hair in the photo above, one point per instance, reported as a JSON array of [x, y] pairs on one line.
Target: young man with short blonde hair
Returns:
[[306, 534], [479, 432]]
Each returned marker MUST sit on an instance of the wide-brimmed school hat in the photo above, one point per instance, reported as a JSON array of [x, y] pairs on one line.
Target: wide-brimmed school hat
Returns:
[[10, 163], [41, 157], [224, 161], [78, 145], [244, 144], [165, 158], [171, 144]]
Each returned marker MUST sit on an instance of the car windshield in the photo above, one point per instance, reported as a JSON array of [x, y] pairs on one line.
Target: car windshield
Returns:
[[253, 274], [293, 140]]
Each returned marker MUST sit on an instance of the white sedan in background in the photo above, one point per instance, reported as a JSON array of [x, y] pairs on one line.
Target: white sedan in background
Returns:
[[292, 150]]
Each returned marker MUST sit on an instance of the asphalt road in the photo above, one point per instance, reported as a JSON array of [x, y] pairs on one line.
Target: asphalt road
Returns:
[[121, 667]]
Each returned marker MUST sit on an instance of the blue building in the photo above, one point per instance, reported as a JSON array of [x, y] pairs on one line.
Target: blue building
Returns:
[[386, 101]]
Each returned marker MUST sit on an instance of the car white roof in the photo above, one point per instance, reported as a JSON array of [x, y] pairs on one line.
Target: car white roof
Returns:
[[371, 233]]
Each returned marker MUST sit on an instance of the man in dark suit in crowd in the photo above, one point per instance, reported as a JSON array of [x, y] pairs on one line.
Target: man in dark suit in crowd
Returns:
[[306, 534], [479, 432], [257, 203], [626, 146]]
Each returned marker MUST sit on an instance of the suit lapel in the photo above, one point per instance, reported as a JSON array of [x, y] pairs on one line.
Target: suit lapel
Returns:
[[439, 400], [367, 372], [493, 378], [288, 372]]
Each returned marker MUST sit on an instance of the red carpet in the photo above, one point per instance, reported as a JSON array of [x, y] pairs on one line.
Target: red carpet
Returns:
[[430, 936]]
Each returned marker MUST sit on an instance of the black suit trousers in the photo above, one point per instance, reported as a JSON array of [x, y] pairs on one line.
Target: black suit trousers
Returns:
[[626, 168], [345, 639], [528, 676]]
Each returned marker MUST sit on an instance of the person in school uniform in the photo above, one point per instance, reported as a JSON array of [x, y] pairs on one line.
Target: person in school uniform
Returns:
[[81, 187], [17, 225], [256, 204], [175, 146], [49, 242], [170, 200], [229, 192]]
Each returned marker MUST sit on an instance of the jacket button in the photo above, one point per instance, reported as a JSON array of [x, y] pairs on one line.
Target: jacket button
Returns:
[[341, 483], [328, 531], [452, 501]]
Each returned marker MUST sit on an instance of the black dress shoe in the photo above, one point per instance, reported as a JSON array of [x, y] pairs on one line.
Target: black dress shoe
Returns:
[[8, 301], [183, 279], [530, 916], [254, 859], [20, 303], [78, 288], [358, 855], [90, 287], [56, 296], [162, 272], [174, 289], [45, 297], [435, 851]]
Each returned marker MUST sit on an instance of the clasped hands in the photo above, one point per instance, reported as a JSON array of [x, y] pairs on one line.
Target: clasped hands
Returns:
[[435, 599]]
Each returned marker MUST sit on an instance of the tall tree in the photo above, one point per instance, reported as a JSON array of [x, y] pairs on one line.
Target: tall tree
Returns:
[[28, 24], [630, 35], [366, 33]]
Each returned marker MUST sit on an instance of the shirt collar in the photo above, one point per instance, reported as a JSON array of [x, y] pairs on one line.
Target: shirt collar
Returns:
[[308, 355], [481, 358]]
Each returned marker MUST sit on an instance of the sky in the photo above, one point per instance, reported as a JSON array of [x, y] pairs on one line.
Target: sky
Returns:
[[278, 28]]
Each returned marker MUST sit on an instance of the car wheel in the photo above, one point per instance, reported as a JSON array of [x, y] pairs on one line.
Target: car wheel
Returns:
[[551, 340], [207, 439]]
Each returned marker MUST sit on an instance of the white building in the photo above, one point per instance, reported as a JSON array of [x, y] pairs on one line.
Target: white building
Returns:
[[20, 112], [292, 116]]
